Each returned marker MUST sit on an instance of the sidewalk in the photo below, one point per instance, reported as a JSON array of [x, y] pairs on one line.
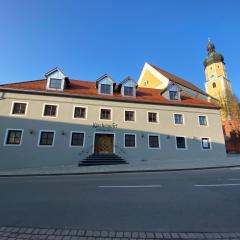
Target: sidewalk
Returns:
[[27, 233], [170, 165]]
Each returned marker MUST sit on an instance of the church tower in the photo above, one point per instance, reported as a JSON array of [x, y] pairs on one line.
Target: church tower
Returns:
[[217, 85]]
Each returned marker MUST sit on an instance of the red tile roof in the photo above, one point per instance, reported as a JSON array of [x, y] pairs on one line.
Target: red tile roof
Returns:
[[88, 89]]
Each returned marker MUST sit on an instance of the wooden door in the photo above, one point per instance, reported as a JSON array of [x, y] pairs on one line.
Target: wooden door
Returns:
[[103, 143]]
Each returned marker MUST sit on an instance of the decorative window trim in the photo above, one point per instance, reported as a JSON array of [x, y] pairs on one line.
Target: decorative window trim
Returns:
[[77, 146], [55, 89], [80, 106], [130, 110], [18, 115], [106, 109], [39, 138], [210, 143], [125, 142], [53, 104], [157, 117], [183, 118], [206, 120], [6, 136], [186, 145], [159, 141]]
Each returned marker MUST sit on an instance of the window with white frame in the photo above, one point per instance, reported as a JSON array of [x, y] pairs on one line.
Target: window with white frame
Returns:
[[50, 110], [153, 141], [46, 138], [181, 143], [130, 140], [19, 108], [105, 88], [129, 116], [14, 137], [105, 114], [202, 120], [152, 117], [55, 83], [128, 91], [79, 112], [77, 139], [178, 118], [206, 143], [173, 95]]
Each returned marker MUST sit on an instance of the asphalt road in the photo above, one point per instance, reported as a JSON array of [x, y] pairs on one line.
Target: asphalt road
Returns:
[[181, 201]]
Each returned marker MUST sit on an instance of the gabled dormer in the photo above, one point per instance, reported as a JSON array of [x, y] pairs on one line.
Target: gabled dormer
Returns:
[[172, 92], [105, 85], [128, 87], [56, 80]]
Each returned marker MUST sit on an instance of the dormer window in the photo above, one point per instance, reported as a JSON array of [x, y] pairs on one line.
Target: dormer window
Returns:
[[56, 80], [173, 95], [105, 89], [55, 83], [128, 87], [128, 91]]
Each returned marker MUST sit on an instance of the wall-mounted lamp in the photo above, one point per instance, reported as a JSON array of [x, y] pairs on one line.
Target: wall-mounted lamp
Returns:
[[63, 133], [31, 131], [142, 135]]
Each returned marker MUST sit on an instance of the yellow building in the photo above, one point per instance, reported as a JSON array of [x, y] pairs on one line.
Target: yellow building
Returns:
[[217, 85]]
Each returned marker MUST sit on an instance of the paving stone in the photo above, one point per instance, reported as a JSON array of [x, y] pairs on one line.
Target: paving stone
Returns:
[[73, 232], [183, 235], [3, 238], [22, 230], [150, 235], [83, 238], [2, 228], [89, 233], [142, 234], [127, 234], [134, 234], [90, 238], [66, 237], [96, 233], [81, 232], [158, 235], [51, 237], [74, 238], [65, 232], [15, 230], [36, 231], [112, 234], [58, 237], [29, 230], [104, 234], [50, 231], [58, 232], [174, 235], [166, 235], [119, 234]]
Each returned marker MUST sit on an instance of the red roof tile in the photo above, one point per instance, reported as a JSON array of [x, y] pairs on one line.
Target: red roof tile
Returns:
[[88, 89]]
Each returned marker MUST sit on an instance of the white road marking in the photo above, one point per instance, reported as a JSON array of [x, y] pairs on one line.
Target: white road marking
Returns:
[[136, 186], [218, 185]]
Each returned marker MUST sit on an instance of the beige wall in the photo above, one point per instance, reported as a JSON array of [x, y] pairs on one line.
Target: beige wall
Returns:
[[28, 154]]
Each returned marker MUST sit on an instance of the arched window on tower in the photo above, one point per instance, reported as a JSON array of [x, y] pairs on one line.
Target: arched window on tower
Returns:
[[214, 85]]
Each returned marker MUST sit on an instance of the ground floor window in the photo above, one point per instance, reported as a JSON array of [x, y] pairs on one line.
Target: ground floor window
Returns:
[[181, 143], [14, 137], [130, 140], [77, 139], [153, 141], [206, 143], [46, 138]]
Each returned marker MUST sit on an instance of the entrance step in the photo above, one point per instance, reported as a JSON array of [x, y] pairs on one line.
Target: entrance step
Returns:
[[102, 159]]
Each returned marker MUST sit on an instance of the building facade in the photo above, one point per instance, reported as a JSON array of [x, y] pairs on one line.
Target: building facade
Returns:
[[59, 121]]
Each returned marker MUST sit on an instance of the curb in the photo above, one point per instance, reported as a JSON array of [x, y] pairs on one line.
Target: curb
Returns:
[[115, 172]]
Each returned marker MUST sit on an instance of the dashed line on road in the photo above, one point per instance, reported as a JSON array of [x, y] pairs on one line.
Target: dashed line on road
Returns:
[[217, 185], [132, 186]]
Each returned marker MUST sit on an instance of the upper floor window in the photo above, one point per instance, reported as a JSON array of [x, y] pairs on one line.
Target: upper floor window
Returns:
[[173, 95], [202, 120], [105, 114], [55, 83], [105, 88], [181, 143], [178, 118], [46, 138], [19, 108], [152, 117], [129, 116], [206, 143], [14, 137], [128, 91], [80, 112], [153, 141], [50, 110], [130, 140]]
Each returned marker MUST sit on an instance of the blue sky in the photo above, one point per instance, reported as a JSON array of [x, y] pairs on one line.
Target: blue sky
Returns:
[[87, 38]]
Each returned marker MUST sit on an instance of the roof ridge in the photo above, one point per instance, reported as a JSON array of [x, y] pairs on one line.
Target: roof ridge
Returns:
[[22, 82]]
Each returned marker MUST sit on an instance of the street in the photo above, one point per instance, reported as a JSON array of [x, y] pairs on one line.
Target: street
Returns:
[[196, 201]]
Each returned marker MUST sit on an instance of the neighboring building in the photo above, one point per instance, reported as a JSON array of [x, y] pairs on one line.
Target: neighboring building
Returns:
[[60, 121], [217, 85]]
